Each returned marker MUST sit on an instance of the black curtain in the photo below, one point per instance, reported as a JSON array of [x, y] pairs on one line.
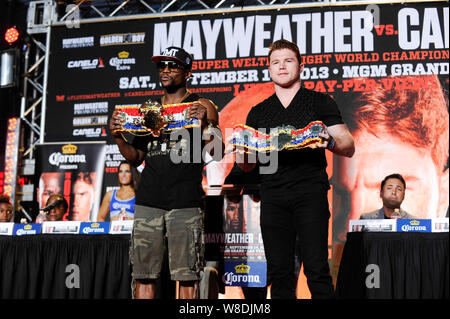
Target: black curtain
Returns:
[[411, 266], [37, 266]]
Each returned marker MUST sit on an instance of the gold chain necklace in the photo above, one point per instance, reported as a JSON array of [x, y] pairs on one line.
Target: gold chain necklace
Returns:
[[182, 99]]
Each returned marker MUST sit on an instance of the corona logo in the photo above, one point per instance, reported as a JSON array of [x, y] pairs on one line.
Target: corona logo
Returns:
[[242, 269], [69, 149], [95, 225], [414, 223], [27, 227], [124, 55]]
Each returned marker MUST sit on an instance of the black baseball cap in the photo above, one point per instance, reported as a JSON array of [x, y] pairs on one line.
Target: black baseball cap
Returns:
[[175, 54]]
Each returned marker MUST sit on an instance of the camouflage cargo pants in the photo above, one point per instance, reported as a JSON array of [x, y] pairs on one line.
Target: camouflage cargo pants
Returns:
[[185, 243]]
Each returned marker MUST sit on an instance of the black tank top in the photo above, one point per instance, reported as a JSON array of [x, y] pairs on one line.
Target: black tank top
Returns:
[[172, 177]]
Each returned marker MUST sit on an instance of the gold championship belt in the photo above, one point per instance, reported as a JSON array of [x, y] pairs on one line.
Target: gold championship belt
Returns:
[[284, 137], [152, 118]]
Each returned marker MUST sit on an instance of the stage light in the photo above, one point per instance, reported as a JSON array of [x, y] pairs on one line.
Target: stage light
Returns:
[[8, 67], [12, 35], [11, 156]]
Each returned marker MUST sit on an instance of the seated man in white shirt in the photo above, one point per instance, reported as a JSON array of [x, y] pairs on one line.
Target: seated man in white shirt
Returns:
[[392, 194]]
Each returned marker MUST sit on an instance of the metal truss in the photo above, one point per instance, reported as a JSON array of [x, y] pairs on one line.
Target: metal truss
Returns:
[[33, 91], [35, 63], [112, 8]]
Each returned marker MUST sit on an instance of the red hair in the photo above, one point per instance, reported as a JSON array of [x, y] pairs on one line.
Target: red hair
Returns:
[[285, 44], [416, 112]]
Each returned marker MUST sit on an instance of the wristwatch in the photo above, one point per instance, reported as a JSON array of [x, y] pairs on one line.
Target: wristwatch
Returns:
[[331, 143]]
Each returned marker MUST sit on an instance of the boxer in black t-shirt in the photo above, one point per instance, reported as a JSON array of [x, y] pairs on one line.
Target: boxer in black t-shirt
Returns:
[[169, 196]]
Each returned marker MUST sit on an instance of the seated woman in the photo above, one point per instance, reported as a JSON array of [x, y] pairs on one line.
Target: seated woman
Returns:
[[119, 203]]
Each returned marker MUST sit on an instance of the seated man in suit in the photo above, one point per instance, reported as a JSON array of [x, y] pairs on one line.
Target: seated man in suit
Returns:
[[392, 193]]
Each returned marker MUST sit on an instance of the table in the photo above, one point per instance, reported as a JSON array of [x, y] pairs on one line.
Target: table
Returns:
[[411, 265], [44, 266], [37, 266]]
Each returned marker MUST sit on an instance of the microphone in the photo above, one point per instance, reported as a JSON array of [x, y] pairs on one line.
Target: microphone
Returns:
[[52, 205]]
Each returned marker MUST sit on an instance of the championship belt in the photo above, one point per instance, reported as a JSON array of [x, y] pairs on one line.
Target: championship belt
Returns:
[[152, 118], [281, 138]]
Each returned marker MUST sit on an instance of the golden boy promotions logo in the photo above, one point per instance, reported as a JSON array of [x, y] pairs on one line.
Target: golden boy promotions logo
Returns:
[[122, 38]]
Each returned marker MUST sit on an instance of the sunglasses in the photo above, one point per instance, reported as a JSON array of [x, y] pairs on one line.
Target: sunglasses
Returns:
[[172, 65]]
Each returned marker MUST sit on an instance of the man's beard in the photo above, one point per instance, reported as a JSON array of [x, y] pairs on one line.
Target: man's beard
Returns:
[[172, 87]]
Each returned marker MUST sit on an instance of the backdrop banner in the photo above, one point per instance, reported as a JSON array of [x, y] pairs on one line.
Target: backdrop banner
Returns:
[[74, 170], [386, 65]]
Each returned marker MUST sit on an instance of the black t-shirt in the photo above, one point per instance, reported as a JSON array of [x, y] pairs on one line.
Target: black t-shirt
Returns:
[[303, 169], [165, 184], [238, 177]]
